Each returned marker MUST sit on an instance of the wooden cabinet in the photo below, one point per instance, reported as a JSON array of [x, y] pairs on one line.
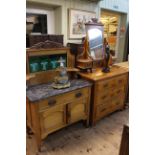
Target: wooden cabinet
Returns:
[[55, 112], [108, 93]]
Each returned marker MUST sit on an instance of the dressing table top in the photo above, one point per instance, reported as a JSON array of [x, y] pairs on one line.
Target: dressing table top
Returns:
[[98, 75]]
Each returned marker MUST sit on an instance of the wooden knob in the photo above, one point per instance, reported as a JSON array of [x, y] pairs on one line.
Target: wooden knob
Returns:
[[105, 85], [78, 95]]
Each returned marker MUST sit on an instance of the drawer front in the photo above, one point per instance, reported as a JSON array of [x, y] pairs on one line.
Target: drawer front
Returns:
[[121, 80], [63, 99], [102, 110], [76, 95], [105, 85], [103, 101], [117, 93], [103, 97], [117, 101], [111, 84], [52, 101], [110, 106]]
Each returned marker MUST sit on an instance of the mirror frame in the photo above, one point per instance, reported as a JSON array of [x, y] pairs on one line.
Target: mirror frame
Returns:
[[92, 25]]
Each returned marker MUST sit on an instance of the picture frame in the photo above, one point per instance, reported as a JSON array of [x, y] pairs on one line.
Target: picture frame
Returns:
[[77, 20]]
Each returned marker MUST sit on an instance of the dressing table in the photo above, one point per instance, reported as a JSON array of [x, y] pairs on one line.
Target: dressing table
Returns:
[[108, 92], [109, 89]]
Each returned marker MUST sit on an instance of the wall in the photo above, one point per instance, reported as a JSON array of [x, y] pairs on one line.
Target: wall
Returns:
[[61, 12], [116, 5], [58, 20]]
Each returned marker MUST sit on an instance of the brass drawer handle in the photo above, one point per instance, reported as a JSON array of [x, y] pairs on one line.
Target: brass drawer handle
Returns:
[[113, 85], [117, 103], [105, 85], [118, 92], [112, 95], [51, 102], [78, 95], [120, 81], [103, 110], [103, 97]]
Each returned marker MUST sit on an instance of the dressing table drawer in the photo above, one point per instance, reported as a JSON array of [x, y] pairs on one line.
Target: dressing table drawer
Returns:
[[121, 80], [117, 93], [102, 110], [104, 96], [117, 101], [105, 85], [103, 99], [111, 84]]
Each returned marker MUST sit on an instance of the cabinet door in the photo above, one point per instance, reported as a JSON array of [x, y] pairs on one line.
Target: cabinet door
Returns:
[[78, 110], [52, 119]]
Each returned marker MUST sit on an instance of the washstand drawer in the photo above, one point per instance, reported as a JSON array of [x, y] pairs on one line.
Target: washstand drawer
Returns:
[[63, 98], [50, 102], [76, 95]]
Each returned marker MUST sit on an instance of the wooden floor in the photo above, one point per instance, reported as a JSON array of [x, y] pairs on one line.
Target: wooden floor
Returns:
[[102, 139]]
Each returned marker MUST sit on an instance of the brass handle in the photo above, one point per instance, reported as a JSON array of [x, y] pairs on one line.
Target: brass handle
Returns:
[[51, 102], [103, 97], [103, 109], [118, 92], [113, 85], [120, 81], [105, 85], [78, 95], [112, 95], [117, 103]]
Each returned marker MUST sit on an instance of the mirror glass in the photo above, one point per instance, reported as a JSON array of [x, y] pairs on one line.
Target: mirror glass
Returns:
[[95, 39]]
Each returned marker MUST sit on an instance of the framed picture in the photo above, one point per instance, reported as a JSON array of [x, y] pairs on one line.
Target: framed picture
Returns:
[[77, 20]]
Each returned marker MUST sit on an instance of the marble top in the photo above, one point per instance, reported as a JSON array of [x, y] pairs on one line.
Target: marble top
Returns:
[[43, 91]]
